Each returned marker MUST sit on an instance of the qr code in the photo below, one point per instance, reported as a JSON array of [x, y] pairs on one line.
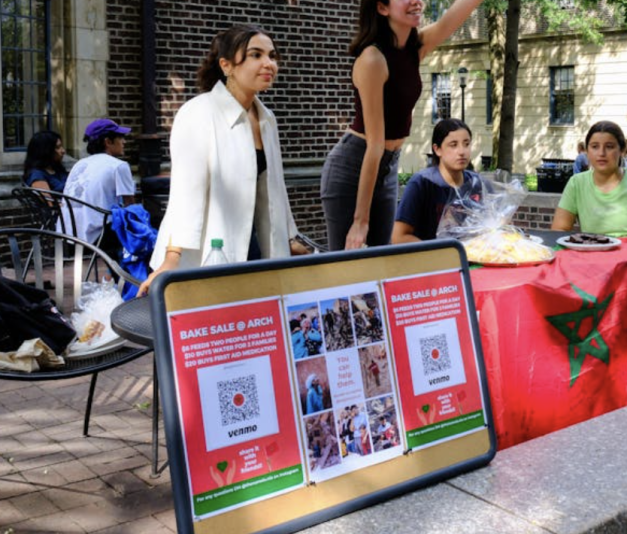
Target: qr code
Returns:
[[238, 399], [434, 353]]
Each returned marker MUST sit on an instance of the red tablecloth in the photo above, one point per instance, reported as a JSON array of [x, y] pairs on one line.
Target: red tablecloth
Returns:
[[554, 340]]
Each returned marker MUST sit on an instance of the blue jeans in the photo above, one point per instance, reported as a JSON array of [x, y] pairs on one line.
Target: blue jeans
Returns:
[[340, 180]]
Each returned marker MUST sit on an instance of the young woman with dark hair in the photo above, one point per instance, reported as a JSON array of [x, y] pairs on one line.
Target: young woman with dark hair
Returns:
[[428, 191], [360, 177], [227, 174], [42, 167], [598, 196]]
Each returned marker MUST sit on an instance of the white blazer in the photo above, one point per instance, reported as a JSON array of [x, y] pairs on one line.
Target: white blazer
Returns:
[[214, 190]]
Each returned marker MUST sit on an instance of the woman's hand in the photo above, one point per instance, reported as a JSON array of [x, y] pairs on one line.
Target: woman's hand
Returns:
[[297, 248], [143, 288], [357, 235], [170, 262]]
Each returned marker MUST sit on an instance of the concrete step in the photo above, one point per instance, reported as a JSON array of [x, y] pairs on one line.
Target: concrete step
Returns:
[[573, 481]]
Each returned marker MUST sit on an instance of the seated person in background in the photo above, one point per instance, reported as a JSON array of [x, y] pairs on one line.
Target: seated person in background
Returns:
[[429, 190], [42, 167], [581, 161], [598, 197], [102, 180]]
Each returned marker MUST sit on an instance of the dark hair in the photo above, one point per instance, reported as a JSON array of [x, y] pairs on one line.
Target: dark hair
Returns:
[[375, 29], [442, 129], [40, 153], [97, 146], [226, 45], [611, 128]]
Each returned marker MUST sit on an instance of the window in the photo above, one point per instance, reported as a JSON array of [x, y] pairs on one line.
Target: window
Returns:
[[488, 97], [562, 104], [441, 96], [24, 44]]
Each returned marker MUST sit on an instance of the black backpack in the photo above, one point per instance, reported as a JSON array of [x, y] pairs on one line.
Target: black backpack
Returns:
[[26, 313]]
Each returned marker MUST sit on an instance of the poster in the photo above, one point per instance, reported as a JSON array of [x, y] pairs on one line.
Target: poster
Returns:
[[436, 364], [347, 400], [236, 404]]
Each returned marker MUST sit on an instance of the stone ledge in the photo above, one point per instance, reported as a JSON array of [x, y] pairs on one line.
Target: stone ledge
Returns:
[[569, 482]]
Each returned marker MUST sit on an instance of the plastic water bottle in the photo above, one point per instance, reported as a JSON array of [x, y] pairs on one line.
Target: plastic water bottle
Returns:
[[217, 255]]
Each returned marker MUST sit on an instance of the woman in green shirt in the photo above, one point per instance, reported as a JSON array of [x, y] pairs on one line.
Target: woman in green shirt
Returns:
[[598, 196]]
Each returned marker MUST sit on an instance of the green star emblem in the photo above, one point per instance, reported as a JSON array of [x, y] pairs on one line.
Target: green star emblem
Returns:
[[569, 324]]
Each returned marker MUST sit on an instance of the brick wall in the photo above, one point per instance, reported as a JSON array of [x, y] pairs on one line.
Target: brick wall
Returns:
[[311, 98], [535, 212], [305, 201]]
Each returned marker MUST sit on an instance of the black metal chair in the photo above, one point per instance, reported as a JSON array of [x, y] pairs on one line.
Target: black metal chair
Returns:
[[46, 211], [23, 259]]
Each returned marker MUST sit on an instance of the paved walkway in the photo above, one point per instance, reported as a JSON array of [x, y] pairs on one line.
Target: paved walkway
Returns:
[[52, 480]]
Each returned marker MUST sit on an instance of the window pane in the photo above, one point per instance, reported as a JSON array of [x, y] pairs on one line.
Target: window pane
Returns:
[[11, 133], [35, 99], [40, 9], [39, 67], [23, 7], [8, 66], [23, 37], [9, 104], [8, 6], [39, 34], [8, 31]]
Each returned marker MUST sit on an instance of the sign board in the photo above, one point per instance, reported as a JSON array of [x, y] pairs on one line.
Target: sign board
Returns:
[[298, 390]]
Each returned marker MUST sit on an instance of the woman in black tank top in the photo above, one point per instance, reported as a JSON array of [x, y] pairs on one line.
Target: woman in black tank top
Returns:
[[360, 177]]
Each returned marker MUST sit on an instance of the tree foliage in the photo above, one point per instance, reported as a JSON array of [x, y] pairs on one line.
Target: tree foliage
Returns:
[[577, 16]]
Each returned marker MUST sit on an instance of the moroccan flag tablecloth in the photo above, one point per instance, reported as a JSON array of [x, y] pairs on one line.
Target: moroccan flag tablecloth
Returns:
[[554, 340]]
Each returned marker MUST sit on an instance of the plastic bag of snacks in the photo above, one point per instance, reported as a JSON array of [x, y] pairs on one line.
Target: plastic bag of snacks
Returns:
[[92, 320], [480, 215]]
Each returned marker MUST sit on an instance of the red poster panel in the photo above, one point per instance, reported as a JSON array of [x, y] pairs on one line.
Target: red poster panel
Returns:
[[239, 430], [436, 362]]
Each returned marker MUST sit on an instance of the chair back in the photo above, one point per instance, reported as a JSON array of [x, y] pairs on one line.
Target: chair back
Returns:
[[48, 207], [56, 262], [43, 212]]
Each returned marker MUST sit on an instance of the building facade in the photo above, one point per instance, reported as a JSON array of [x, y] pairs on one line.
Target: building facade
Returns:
[[67, 62], [564, 86]]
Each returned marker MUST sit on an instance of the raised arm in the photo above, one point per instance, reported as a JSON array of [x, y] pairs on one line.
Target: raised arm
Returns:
[[436, 33]]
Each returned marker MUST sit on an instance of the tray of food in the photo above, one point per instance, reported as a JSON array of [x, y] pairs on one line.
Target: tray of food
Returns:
[[501, 248], [586, 242]]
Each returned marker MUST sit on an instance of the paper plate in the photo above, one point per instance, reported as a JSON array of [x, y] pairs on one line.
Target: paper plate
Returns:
[[592, 247], [99, 350]]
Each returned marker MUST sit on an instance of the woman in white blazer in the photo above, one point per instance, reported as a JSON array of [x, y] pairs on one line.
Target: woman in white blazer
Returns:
[[227, 174]]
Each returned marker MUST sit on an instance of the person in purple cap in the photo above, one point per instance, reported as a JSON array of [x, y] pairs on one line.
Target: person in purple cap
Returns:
[[101, 179]]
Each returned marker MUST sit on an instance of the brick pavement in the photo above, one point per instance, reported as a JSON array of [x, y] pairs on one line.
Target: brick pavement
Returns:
[[53, 480]]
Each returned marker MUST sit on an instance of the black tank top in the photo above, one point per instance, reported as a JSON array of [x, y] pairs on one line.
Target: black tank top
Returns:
[[262, 163], [400, 92]]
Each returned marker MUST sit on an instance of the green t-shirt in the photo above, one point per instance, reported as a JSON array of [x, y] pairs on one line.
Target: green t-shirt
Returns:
[[598, 212]]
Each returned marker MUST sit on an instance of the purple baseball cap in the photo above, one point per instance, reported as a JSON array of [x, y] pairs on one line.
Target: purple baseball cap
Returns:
[[100, 127]]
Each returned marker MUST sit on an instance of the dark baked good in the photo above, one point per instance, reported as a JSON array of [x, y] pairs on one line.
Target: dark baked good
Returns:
[[584, 238]]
